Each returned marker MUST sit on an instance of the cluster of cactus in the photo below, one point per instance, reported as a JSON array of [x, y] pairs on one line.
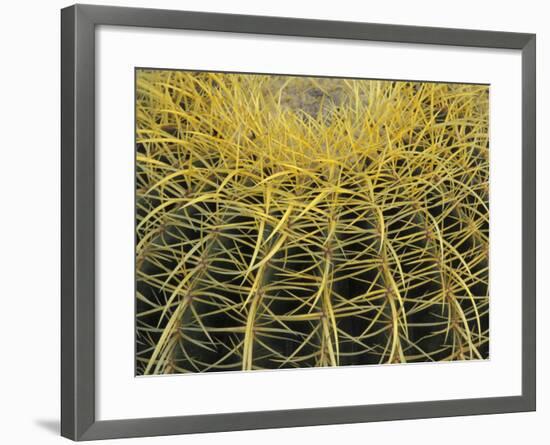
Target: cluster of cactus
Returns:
[[290, 222]]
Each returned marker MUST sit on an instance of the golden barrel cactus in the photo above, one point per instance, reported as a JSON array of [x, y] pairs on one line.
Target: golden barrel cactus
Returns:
[[289, 222]]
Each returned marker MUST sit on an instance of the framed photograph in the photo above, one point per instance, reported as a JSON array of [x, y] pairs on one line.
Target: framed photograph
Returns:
[[273, 222]]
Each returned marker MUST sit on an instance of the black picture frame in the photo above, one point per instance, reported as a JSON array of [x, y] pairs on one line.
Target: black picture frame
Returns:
[[78, 183]]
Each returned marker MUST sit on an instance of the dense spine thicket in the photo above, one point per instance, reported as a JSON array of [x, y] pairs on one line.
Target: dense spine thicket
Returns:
[[287, 222]]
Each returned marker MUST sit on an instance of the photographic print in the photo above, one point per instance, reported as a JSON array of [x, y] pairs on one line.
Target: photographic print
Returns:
[[290, 222]]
